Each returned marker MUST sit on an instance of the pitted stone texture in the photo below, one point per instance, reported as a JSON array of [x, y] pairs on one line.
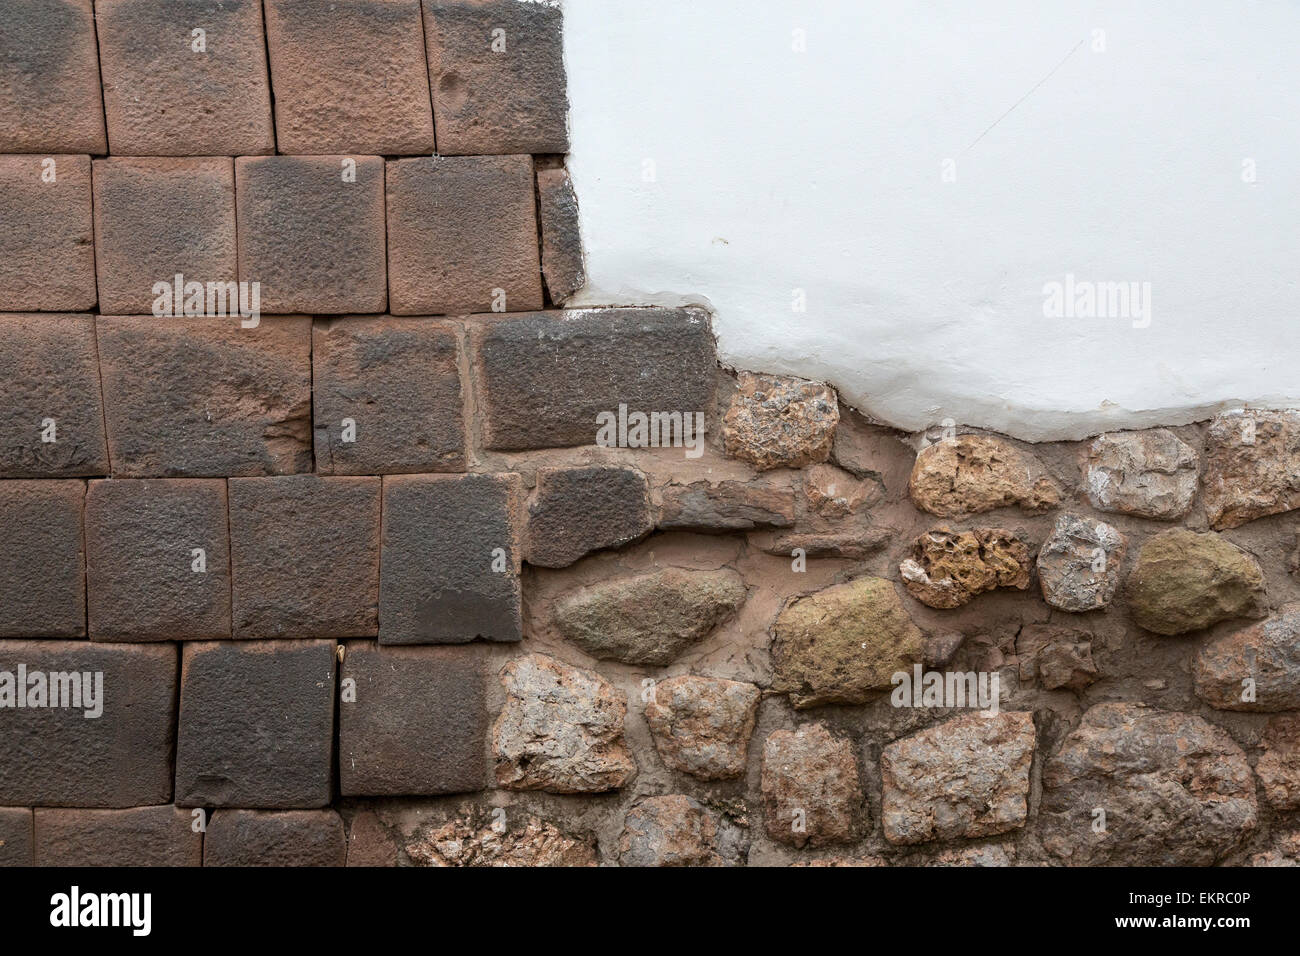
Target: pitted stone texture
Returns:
[[561, 730], [256, 724], [206, 398], [144, 578], [1278, 767], [349, 77], [450, 562], [970, 474], [811, 793], [843, 643], [726, 506], [988, 855], [545, 377], [967, 777], [1186, 581], [304, 556], [702, 725], [1176, 790], [462, 235], [777, 421], [139, 836], [1252, 466], [474, 839], [497, 92], [57, 757], [163, 97], [275, 838], [671, 830], [49, 79], [557, 209], [579, 510], [47, 245], [1057, 657], [1285, 851], [311, 231], [1255, 669], [1151, 474], [648, 618], [156, 218], [42, 559], [1079, 564], [16, 837], [948, 568]]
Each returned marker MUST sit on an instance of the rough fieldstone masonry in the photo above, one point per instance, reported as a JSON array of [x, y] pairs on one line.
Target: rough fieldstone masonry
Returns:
[[330, 535]]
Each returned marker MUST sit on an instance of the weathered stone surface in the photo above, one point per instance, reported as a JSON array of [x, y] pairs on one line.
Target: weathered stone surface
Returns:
[[1057, 657], [702, 725], [57, 756], [842, 643], [1285, 851], [42, 559], [370, 843], [970, 474], [726, 506], [557, 209], [304, 556], [671, 830], [834, 493], [157, 559], [47, 247], [1186, 581], [777, 421], [648, 618], [450, 559], [473, 840], [206, 398], [1255, 669], [987, 855], [561, 730], [1079, 564], [854, 544], [275, 838], [1252, 466], [1278, 767], [16, 847], [139, 836], [579, 510], [811, 793], [948, 568], [1150, 473], [1176, 790], [256, 724], [967, 777], [417, 723]]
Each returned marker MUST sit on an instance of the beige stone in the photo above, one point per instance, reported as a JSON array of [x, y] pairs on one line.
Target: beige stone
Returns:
[[970, 474], [948, 568]]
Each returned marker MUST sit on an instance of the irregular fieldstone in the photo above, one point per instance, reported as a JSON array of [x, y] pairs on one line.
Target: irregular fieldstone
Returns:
[[948, 568], [842, 643], [702, 725], [671, 830], [1151, 473], [138, 836], [726, 506], [648, 618], [780, 422], [975, 473], [988, 855], [810, 788], [1252, 460], [579, 510], [16, 837], [1255, 669], [1079, 564], [1175, 790], [967, 777], [1057, 657], [275, 838], [1278, 767], [557, 209], [833, 493], [42, 559], [47, 247], [561, 730], [471, 840], [1186, 581], [855, 544], [1285, 851]]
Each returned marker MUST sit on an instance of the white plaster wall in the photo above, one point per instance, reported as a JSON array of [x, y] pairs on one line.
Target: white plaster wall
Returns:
[[822, 171]]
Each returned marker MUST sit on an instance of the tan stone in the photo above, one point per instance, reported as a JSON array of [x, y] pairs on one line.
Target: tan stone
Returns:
[[811, 794], [974, 473], [1186, 581], [474, 840], [672, 830], [702, 725], [948, 568], [1255, 669], [1252, 466], [1150, 473], [780, 422], [833, 493]]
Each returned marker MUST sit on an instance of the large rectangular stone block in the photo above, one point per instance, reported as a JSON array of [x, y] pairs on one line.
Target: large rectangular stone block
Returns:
[[47, 245], [16, 837], [42, 559], [275, 838], [139, 836]]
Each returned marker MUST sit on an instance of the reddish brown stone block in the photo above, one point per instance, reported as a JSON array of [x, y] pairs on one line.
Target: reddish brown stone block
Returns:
[[47, 245], [171, 92], [462, 235], [205, 397], [139, 836], [557, 207], [275, 838], [16, 837], [42, 560], [311, 231], [386, 396], [369, 843], [304, 554], [49, 79]]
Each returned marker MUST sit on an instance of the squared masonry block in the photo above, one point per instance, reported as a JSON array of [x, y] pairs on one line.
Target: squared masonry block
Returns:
[[146, 578], [256, 724], [205, 397], [311, 231], [16, 837], [546, 376], [349, 77], [462, 235], [304, 556], [58, 756], [557, 210], [496, 69], [51, 403], [450, 561], [49, 78], [392, 386], [138, 836], [47, 243], [275, 838], [155, 218], [171, 92], [418, 723], [42, 559], [575, 511]]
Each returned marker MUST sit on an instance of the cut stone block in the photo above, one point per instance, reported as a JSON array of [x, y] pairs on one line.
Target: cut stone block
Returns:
[[139, 836], [42, 559], [47, 245], [275, 838]]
